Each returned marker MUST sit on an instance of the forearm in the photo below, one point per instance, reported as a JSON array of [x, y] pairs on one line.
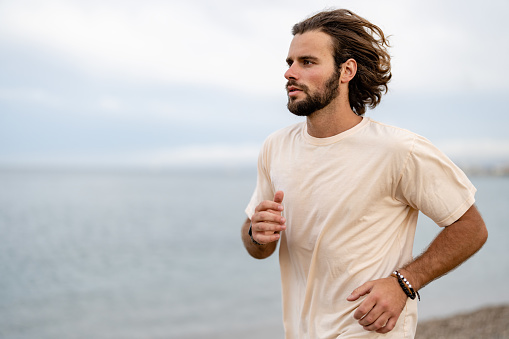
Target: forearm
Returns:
[[256, 251], [385, 300], [455, 244]]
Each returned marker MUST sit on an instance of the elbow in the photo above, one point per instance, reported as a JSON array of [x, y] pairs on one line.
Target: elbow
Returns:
[[259, 256], [480, 235], [480, 229], [483, 235]]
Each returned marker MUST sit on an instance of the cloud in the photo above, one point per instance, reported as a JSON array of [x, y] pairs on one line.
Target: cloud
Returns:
[[110, 104], [154, 42], [437, 46], [37, 96], [103, 77], [447, 51]]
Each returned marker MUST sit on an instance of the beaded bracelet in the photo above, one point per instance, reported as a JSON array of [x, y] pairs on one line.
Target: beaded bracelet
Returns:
[[405, 285]]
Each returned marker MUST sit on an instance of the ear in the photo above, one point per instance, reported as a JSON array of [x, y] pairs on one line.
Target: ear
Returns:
[[348, 70]]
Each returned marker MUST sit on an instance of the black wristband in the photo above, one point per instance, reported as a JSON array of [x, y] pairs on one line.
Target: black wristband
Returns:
[[251, 236]]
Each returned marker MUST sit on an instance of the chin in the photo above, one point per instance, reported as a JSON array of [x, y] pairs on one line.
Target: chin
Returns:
[[300, 112]]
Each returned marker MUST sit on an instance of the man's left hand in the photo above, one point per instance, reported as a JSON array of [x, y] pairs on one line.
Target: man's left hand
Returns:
[[381, 308]]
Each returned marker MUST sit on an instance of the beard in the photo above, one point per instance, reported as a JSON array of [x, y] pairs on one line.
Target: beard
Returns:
[[314, 101]]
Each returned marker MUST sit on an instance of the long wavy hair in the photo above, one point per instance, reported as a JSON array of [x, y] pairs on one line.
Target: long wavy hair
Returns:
[[355, 37]]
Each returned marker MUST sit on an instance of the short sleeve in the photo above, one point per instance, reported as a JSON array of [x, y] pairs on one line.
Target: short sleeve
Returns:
[[433, 184], [263, 190]]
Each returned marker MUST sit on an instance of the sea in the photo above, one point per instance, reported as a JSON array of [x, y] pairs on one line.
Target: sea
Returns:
[[157, 254]]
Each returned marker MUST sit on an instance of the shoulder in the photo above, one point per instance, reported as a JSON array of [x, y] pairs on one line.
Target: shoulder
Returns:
[[288, 132], [391, 137], [285, 135], [279, 142], [412, 143], [392, 132]]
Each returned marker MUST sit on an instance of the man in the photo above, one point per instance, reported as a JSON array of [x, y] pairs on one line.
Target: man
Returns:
[[343, 192]]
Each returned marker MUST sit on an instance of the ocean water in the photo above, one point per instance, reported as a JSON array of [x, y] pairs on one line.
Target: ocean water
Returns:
[[158, 255]]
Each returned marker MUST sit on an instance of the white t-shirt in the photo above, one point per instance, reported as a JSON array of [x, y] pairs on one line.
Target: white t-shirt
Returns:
[[351, 203]]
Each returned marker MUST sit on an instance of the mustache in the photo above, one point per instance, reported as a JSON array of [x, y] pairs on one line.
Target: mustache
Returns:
[[296, 84]]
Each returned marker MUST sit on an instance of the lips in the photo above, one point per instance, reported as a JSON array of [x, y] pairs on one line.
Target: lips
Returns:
[[293, 90]]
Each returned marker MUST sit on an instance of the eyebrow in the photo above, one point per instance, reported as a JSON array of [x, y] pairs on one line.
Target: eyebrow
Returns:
[[301, 58]]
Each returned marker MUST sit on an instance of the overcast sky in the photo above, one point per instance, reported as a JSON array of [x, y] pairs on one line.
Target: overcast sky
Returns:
[[167, 83]]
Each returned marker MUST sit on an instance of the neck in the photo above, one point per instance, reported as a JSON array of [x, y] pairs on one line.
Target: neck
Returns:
[[332, 120]]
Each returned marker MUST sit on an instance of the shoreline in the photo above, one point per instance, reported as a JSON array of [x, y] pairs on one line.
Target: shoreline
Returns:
[[490, 322]]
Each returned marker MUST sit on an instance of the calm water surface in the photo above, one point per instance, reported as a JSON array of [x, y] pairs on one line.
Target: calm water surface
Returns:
[[158, 255]]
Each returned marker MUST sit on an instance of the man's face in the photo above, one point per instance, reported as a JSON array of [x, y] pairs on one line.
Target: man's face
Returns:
[[313, 80]]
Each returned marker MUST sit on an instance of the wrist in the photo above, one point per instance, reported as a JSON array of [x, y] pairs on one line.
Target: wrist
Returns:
[[250, 232], [411, 277], [405, 285]]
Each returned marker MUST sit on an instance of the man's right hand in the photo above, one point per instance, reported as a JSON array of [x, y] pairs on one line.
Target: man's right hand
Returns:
[[267, 222]]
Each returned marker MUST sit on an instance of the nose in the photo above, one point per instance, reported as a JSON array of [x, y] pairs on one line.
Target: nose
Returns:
[[291, 73]]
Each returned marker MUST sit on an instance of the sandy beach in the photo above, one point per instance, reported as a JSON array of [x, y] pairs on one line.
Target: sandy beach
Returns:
[[486, 323]]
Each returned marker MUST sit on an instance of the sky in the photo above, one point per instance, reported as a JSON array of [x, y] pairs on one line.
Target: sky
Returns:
[[161, 84]]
